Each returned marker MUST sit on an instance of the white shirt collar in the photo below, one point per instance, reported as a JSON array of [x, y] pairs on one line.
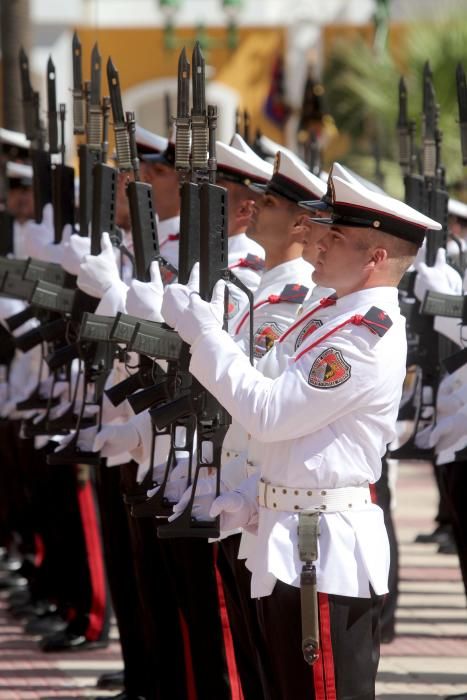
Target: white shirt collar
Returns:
[[287, 270], [168, 226], [382, 296]]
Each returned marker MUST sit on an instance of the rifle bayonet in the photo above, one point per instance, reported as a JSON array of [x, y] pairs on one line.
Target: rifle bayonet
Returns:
[[430, 118], [462, 102], [95, 111], [182, 137], [403, 129], [199, 127], [27, 97], [122, 143], [78, 94], [52, 106]]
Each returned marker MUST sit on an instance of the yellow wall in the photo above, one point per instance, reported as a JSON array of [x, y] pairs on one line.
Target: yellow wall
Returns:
[[139, 56]]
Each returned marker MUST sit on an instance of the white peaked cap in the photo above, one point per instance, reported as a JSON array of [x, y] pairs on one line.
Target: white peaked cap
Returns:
[[19, 171], [457, 208], [351, 176], [149, 142], [292, 179], [14, 138], [240, 144], [354, 204], [270, 148], [241, 166]]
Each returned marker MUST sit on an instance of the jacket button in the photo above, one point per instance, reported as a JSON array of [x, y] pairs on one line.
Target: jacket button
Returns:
[[296, 493], [323, 493], [274, 490], [284, 490], [296, 507], [274, 505], [309, 493]]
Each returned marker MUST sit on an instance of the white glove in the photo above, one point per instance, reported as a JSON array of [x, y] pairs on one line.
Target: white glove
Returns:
[[235, 510], [112, 440], [177, 296], [59, 388], [200, 317], [450, 432], [204, 498], [144, 299], [440, 278], [86, 439], [452, 392], [75, 247], [39, 235], [111, 413], [98, 272]]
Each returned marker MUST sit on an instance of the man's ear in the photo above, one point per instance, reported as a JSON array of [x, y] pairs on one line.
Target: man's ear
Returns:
[[377, 257], [245, 207], [301, 220]]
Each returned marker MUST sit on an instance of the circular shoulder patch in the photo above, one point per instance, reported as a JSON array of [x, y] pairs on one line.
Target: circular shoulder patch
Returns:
[[307, 330], [265, 337], [329, 370]]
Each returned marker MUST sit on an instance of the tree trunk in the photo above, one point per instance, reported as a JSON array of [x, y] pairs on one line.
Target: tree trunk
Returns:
[[15, 31]]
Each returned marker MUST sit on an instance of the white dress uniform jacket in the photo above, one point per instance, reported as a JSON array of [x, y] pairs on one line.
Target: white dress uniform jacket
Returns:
[[271, 318], [241, 250], [324, 423]]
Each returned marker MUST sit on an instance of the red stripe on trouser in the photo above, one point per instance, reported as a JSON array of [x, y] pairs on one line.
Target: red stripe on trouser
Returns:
[[189, 672], [95, 561], [39, 550], [234, 679], [374, 495], [323, 670]]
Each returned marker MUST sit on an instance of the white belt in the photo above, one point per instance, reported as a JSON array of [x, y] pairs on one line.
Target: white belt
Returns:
[[283, 498]]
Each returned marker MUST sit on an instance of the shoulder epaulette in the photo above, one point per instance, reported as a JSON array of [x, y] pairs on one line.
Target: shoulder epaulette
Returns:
[[377, 321], [253, 262], [294, 293]]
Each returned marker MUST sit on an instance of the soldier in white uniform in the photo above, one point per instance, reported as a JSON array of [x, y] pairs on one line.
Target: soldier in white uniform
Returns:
[[324, 424]]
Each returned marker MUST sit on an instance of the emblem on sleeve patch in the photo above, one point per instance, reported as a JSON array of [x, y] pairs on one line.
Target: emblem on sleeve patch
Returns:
[[307, 330], [233, 307], [329, 370], [265, 337], [167, 275]]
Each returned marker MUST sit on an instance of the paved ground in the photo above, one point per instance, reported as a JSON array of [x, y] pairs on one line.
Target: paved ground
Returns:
[[427, 660]]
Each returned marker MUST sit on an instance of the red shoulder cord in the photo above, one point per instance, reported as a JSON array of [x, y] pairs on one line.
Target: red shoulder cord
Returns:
[[324, 302], [356, 320], [272, 299], [170, 237]]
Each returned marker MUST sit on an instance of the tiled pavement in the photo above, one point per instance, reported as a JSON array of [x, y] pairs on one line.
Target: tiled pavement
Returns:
[[427, 660]]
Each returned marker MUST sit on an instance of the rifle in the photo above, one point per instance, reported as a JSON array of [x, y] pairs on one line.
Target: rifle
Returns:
[[212, 420], [144, 230], [462, 102], [430, 347], [40, 158], [88, 153], [179, 378], [63, 176]]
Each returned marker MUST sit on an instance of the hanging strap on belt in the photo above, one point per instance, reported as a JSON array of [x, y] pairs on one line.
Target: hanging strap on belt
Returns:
[[308, 532]]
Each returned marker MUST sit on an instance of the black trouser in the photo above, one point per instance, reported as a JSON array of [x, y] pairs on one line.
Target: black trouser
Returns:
[[383, 495], [87, 579], [163, 650], [453, 480], [192, 567], [349, 653], [122, 581], [250, 653]]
